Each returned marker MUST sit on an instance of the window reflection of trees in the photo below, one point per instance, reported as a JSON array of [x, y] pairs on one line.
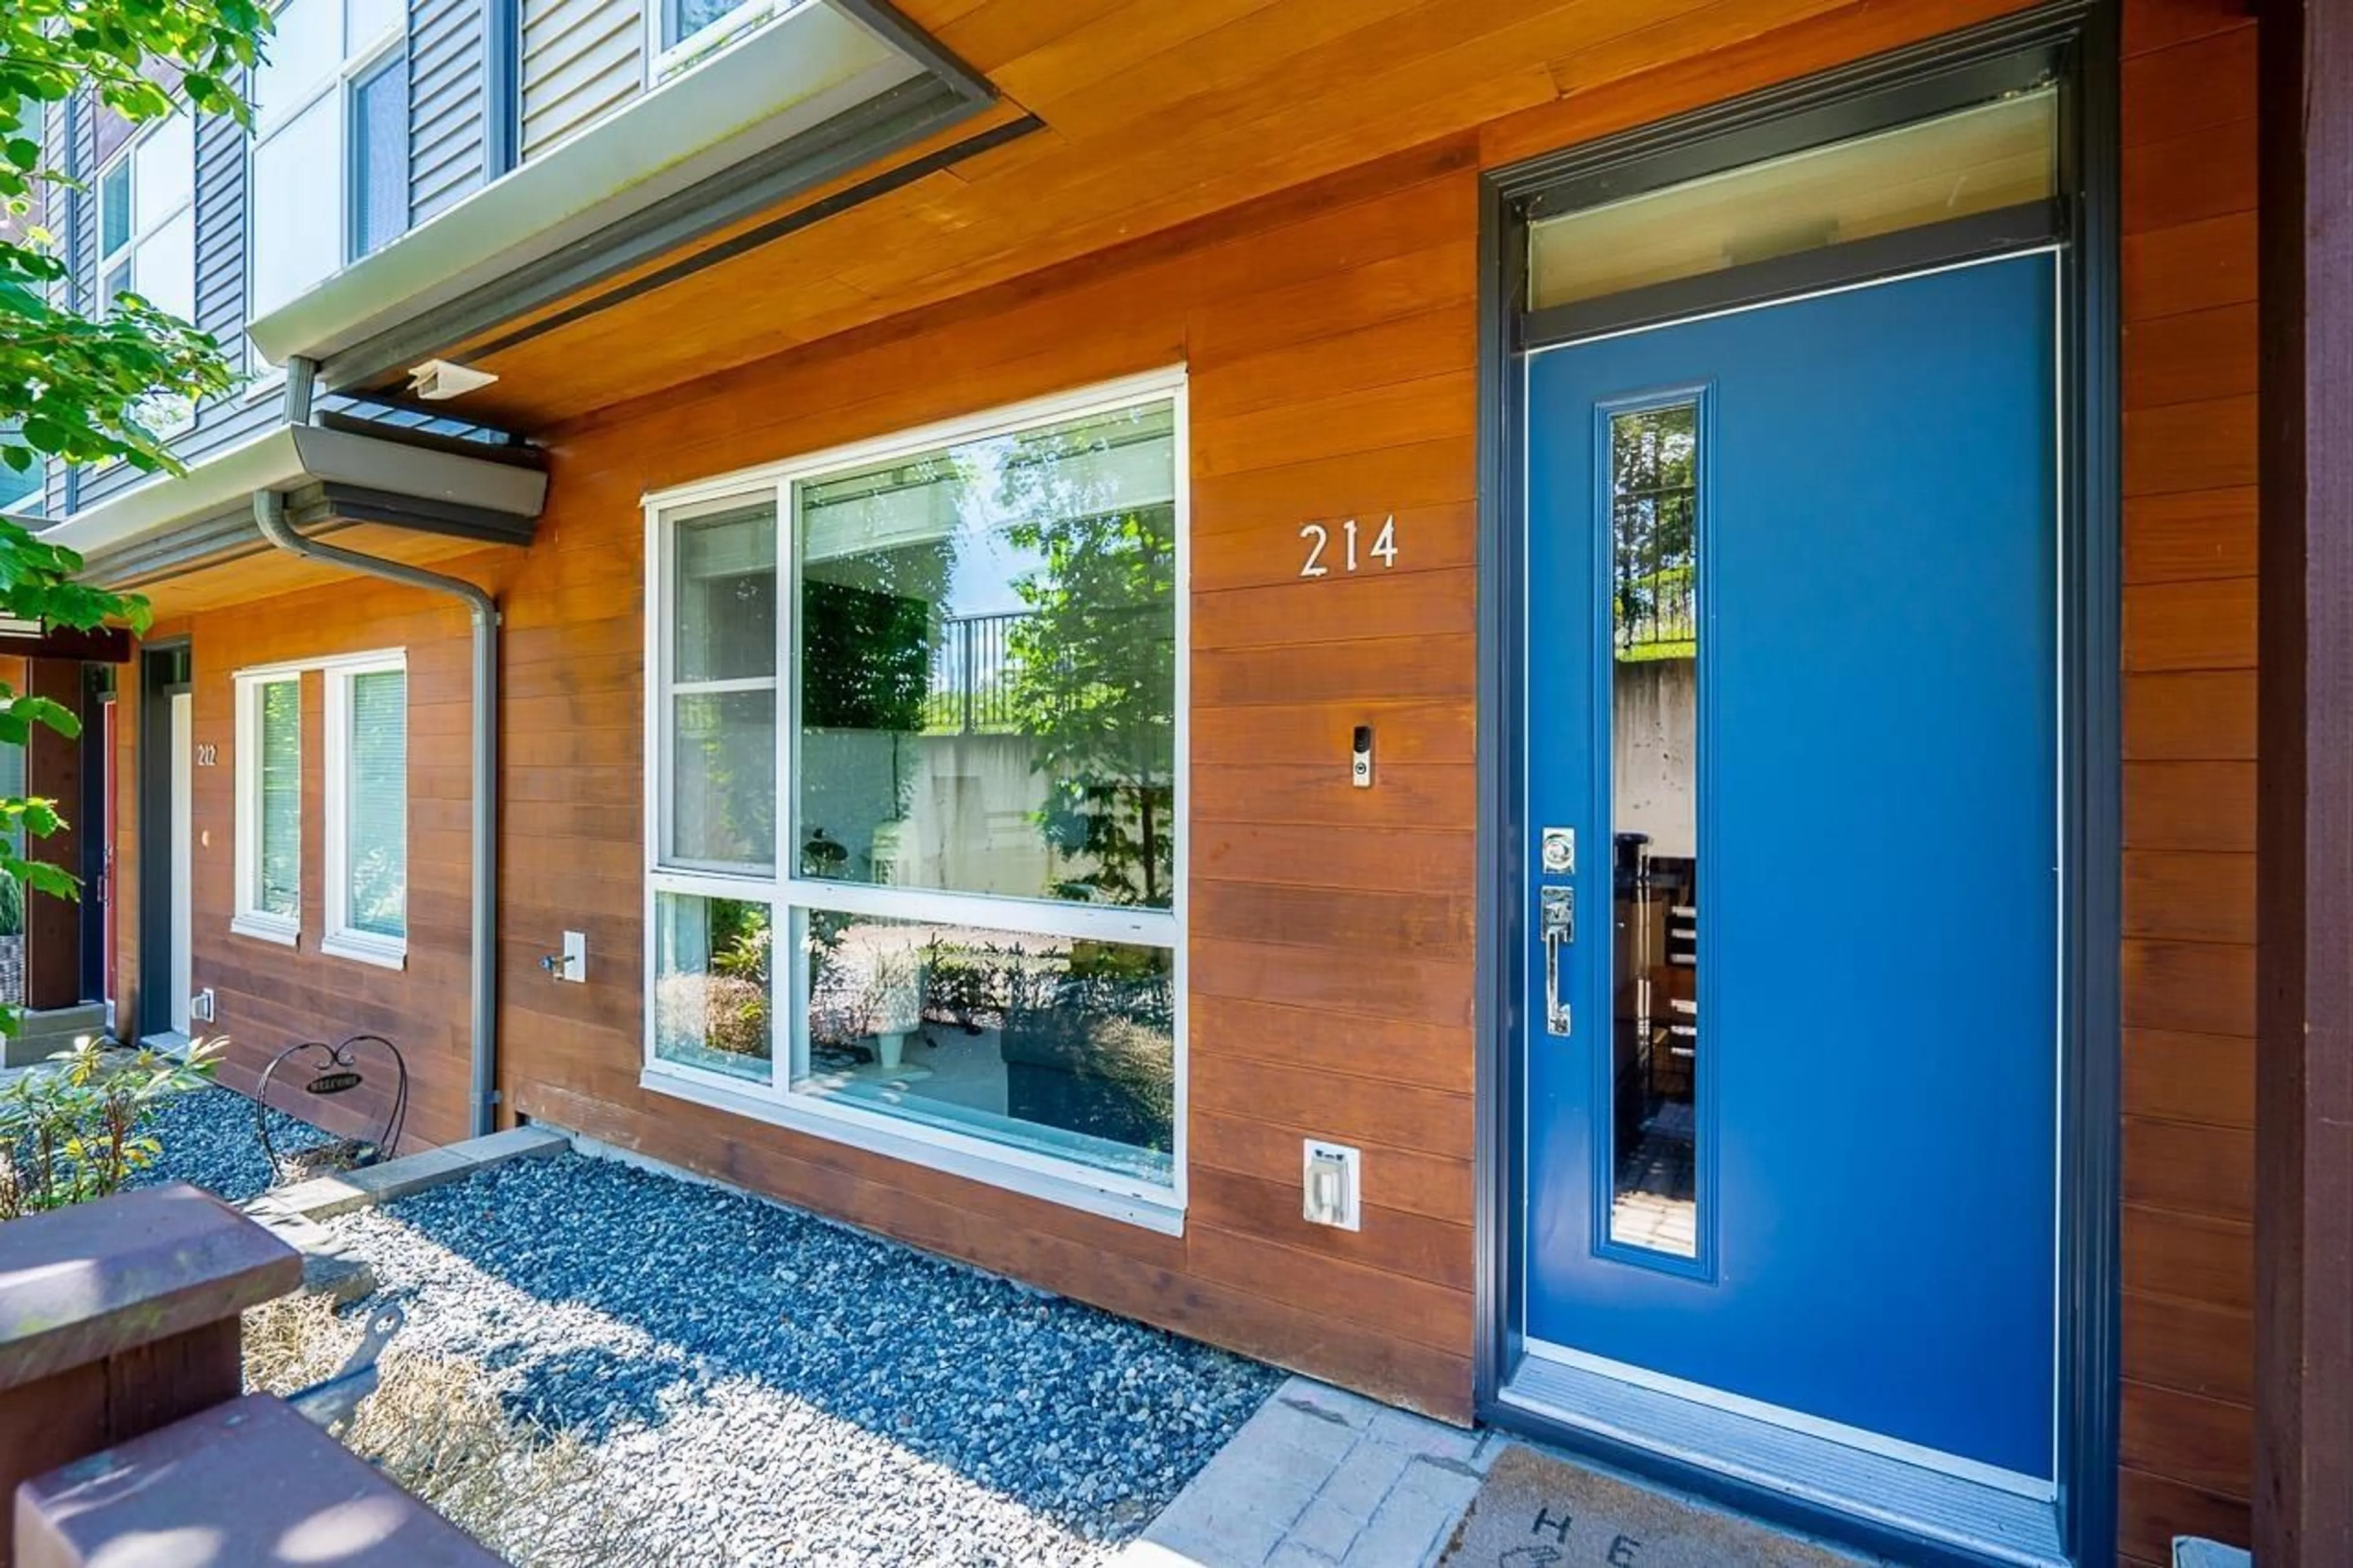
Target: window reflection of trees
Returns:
[[1084, 673]]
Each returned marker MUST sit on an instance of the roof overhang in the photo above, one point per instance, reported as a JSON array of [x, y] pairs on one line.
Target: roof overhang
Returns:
[[332, 478], [825, 88]]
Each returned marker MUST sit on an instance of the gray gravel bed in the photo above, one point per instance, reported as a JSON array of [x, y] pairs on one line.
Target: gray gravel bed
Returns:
[[210, 1138], [778, 1389]]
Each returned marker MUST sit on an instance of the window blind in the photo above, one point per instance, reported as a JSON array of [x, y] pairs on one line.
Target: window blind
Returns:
[[380, 157], [277, 881], [377, 812]]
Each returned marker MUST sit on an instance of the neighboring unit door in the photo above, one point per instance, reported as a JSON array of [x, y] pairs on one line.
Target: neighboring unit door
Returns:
[[184, 759], [1792, 773], [109, 817]]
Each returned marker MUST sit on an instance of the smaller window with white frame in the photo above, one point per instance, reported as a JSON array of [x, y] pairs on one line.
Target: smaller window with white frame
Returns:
[[269, 807], [367, 810]]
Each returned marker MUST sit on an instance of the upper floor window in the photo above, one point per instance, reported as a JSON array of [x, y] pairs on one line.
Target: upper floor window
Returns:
[[147, 233], [689, 29], [20, 487], [330, 139], [379, 155]]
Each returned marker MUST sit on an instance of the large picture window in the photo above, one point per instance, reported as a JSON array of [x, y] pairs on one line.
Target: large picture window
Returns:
[[916, 841]]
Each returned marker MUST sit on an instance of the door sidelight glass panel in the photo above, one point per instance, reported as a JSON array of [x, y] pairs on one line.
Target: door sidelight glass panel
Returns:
[[1654, 632]]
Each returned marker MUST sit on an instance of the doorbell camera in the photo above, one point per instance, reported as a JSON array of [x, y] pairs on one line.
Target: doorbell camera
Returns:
[[1360, 760]]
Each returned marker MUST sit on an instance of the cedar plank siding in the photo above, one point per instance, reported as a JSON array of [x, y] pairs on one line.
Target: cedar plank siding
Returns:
[[1314, 1009], [1330, 334], [2189, 106], [268, 998]]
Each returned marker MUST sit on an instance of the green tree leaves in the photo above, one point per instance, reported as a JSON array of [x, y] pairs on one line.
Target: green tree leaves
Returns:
[[77, 387]]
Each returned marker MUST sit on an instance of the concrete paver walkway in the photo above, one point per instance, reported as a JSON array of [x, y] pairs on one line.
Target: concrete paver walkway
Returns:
[[1320, 1478]]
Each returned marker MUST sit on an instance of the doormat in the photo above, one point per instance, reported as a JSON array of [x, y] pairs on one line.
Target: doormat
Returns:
[[1537, 1512]]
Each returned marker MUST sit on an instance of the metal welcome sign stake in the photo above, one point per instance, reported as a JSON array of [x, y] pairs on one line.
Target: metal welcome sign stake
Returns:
[[334, 1069]]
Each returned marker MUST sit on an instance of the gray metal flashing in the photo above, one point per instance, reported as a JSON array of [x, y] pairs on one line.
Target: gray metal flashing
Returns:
[[776, 228], [1915, 1515], [315, 504], [173, 525], [890, 24], [873, 129]]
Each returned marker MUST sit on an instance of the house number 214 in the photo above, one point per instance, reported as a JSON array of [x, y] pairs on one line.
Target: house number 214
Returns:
[[1383, 547]]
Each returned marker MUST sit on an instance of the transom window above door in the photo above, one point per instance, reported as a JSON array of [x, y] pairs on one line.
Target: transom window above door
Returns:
[[1984, 158], [914, 738]]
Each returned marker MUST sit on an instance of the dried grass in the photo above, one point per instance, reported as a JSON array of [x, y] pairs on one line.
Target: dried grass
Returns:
[[538, 1498]]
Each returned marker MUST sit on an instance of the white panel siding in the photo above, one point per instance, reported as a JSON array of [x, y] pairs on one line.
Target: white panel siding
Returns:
[[445, 104], [580, 59]]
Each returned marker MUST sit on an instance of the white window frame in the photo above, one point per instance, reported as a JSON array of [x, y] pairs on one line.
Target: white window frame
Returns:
[[665, 60], [179, 413], [340, 938], [1151, 1205], [357, 64], [249, 918]]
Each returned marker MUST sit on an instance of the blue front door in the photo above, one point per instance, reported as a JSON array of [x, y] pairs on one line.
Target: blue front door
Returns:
[[1794, 905]]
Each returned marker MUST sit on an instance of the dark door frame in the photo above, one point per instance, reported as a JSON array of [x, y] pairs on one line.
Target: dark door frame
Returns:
[[165, 670], [2074, 42], [2304, 1048], [98, 886]]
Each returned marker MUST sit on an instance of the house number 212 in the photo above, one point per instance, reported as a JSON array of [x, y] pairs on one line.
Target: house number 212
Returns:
[[1383, 547]]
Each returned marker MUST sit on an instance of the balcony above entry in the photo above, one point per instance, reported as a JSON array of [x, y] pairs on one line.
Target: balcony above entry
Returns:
[[777, 98]]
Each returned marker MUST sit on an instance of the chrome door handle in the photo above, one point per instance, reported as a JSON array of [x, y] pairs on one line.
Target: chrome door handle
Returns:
[[1556, 920]]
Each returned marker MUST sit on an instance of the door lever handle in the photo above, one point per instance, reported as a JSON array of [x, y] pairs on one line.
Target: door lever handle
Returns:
[[1557, 921]]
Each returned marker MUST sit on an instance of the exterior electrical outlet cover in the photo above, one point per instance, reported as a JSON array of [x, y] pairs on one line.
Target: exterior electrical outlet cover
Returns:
[[1331, 1176]]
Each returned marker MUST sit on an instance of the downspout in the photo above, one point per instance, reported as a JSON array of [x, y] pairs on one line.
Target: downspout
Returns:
[[269, 517]]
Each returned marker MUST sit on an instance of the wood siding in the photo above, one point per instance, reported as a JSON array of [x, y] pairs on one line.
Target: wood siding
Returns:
[[2189, 85], [1329, 329], [267, 996], [1330, 339]]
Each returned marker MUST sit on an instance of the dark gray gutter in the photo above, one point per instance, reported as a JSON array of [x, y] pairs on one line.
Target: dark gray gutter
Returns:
[[269, 517]]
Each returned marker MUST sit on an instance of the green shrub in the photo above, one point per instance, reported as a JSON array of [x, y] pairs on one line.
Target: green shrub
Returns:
[[78, 1129]]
